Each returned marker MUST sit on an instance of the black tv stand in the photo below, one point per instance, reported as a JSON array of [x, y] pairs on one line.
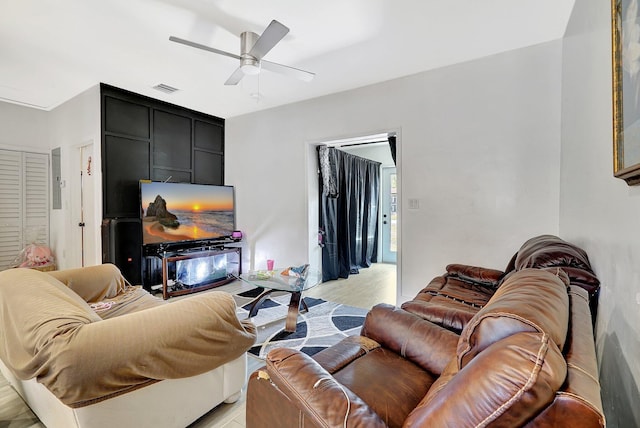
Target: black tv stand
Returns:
[[191, 270], [159, 250], [180, 268]]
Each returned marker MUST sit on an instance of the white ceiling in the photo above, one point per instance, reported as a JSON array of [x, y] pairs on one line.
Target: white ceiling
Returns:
[[52, 50]]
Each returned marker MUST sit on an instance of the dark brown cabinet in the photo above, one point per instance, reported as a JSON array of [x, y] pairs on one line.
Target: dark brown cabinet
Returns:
[[148, 139]]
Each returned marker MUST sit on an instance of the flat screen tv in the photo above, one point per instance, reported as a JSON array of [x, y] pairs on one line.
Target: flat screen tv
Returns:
[[183, 212]]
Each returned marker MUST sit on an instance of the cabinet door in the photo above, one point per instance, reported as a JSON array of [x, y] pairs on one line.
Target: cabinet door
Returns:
[[209, 168], [126, 118], [128, 162], [171, 141], [172, 175], [35, 176], [208, 136], [11, 207], [24, 202], [208, 144]]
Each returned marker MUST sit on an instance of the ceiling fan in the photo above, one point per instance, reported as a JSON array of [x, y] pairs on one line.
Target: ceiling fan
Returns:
[[252, 49]]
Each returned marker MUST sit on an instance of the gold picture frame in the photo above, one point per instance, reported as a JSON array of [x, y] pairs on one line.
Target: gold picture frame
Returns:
[[625, 39]]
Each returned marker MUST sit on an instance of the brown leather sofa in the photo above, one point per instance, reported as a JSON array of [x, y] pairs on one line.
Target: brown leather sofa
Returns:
[[520, 354]]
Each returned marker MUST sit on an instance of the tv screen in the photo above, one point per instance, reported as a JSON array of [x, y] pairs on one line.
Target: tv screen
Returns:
[[176, 212]]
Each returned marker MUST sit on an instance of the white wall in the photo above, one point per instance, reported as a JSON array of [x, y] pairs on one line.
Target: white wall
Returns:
[[73, 124], [376, 152], [479, 150], [24, 128], [599, 212]]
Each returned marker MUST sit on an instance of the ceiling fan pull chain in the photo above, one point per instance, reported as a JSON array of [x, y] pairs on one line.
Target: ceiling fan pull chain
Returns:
[[258, 93]]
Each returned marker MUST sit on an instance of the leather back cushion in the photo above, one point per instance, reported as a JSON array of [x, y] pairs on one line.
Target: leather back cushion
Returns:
[[583, 278], [548, 251], [530, 300], [506, 385], [476, 275]]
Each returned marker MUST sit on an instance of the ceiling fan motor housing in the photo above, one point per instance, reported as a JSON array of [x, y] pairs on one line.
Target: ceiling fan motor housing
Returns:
[[248, 63]]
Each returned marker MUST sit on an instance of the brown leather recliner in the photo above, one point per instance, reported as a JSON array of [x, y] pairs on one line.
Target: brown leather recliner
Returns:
[[527, 358]]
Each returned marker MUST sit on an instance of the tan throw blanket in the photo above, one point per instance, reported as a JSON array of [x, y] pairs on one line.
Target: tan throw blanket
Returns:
[[49, 332]]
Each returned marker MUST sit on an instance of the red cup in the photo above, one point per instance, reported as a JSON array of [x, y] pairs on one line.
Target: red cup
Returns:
[[269, 264]]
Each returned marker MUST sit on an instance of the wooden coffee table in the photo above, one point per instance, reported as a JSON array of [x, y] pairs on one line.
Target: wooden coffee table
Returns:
[[274, 281]]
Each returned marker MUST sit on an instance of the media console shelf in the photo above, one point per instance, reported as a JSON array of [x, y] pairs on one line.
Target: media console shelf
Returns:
[[194, 270]]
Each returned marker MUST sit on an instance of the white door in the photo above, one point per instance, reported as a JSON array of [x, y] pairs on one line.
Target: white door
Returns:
[[86, 226], [389, 215]]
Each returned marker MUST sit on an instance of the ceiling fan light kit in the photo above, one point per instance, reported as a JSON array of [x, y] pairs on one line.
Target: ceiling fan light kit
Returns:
[[250, 67], [252, 49]]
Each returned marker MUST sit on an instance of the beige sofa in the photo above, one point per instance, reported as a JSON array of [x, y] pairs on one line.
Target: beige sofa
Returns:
[[84, 348]]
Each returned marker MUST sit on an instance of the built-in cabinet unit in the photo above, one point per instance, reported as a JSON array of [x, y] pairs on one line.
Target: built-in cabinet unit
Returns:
[[148, 139]]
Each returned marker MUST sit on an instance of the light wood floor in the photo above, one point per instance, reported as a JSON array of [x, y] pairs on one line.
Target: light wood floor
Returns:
[[371, 286]]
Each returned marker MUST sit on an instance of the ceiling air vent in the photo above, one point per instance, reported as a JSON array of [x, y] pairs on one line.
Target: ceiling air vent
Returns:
[[165, 88]]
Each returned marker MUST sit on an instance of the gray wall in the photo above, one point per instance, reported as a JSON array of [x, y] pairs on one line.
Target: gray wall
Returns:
[[68, 126], [23, 128], [598, 211], [479, 148]]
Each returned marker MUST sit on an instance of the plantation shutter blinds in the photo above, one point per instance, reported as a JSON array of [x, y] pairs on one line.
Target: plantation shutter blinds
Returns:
[[24, 202], [10, 206]]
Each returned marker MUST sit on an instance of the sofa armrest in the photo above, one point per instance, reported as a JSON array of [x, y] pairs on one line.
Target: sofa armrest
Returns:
[[93, 283], [426, 344], [101, 359], [315, 392], [476, 275], [343, 353]]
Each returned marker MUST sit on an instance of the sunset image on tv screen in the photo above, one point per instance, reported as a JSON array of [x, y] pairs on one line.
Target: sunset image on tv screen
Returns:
[[185, 212]]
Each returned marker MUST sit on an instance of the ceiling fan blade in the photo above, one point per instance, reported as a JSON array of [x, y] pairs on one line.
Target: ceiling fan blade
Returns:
[[303, 75], [203, 47], [235, 77], [269, 38]]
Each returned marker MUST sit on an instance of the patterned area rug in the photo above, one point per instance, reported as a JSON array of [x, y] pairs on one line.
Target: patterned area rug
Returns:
[[325, 324]]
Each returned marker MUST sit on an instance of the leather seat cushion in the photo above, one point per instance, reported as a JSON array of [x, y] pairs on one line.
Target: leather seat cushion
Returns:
[[391, 385]]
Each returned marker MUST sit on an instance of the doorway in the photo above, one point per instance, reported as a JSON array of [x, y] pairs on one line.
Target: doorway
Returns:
[[370, 147], [389, 208]]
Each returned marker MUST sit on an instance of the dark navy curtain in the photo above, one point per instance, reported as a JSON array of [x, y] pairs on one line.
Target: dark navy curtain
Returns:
[[392, 147], [349, 200]]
